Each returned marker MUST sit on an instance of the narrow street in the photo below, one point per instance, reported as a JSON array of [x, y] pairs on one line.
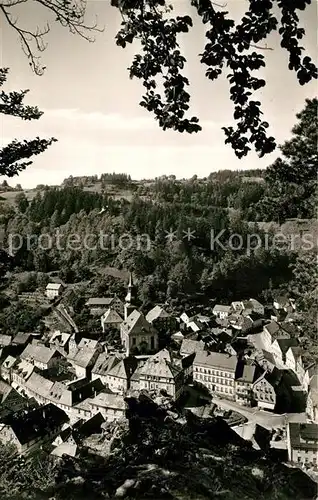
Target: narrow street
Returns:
[[268, 420]]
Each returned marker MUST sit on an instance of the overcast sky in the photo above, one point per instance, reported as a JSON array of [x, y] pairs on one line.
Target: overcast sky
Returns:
[[91, 106]]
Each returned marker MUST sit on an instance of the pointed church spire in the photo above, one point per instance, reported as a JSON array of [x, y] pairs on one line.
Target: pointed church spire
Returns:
[[130, 283], [129, 307]]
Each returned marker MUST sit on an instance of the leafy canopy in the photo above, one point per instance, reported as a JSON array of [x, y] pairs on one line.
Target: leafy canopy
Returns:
[[231, 48], [14, 156]]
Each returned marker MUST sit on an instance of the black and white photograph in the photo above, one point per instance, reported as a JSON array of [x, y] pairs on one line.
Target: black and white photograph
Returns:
[[158, 250]]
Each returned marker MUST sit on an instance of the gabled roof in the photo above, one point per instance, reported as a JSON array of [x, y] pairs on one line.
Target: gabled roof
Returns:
[[160, 365], [104, 363], [285, 344], [221, 308], [124, 369], [106, 400], [99, 301], [5, 390], [36, 423], [272, 327], [21, 338], [82, 356], [216, 360], [59, 338], [53, 286], [24, 369], [246, 373], [255, 303], [9, 362], [189, 346], [88, 343], [39, 385], [156, 313], [111, 316], [136, 323], [297, 352], [303, 436], [39, 353]]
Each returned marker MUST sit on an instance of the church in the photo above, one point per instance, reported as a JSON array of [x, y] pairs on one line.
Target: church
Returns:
[[136, 333]]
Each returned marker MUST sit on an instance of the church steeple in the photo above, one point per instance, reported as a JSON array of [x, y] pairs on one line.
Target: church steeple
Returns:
[[129, 307]]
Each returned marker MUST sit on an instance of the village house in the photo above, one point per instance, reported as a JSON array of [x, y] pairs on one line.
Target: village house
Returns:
[[111, 319], [60, 341], [20, 372], [98, 305], [237, 306], [6, 368], [83, 359], [264, 359], [111, 406], [245, 376], [104, 363], [312, 398], [221, 312], [256, 307], [137, 334], [190, 346], [40, 356], [294, 362], [118, 377], [186, 364], [10, 400], [195, 325], [160, 373], [264, 392], [280, 347], [270, 332], [302, 444], [64, 395], [54, 290], [159, 318], [240, 324], [37, 387], [285, 303], [28, 431], [184, 318], [22, 339], [216, 371]]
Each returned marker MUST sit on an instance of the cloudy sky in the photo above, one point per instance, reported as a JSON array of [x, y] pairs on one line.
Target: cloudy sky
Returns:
[[91, 106]]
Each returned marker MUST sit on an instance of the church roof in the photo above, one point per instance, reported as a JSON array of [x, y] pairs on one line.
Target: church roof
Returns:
[[136, 323]]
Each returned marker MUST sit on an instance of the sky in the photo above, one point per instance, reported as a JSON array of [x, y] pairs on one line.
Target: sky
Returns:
[[92, 107]]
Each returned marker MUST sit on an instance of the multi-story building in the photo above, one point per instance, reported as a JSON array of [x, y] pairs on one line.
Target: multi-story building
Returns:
[[160, 319], [264, 392], [302, 444], [110, 319], [28, 431], [40, 356], [216, 371], [245, 376], [98, 305], [221, 311], [160, 373]]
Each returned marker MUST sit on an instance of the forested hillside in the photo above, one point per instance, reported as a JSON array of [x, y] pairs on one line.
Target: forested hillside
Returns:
[[186, 241]]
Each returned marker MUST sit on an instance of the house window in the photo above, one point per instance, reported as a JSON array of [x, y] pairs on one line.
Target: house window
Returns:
[[134, 341]]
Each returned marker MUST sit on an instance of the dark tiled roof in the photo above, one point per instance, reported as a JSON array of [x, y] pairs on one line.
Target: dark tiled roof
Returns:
[[303, 436], [36, 423]]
